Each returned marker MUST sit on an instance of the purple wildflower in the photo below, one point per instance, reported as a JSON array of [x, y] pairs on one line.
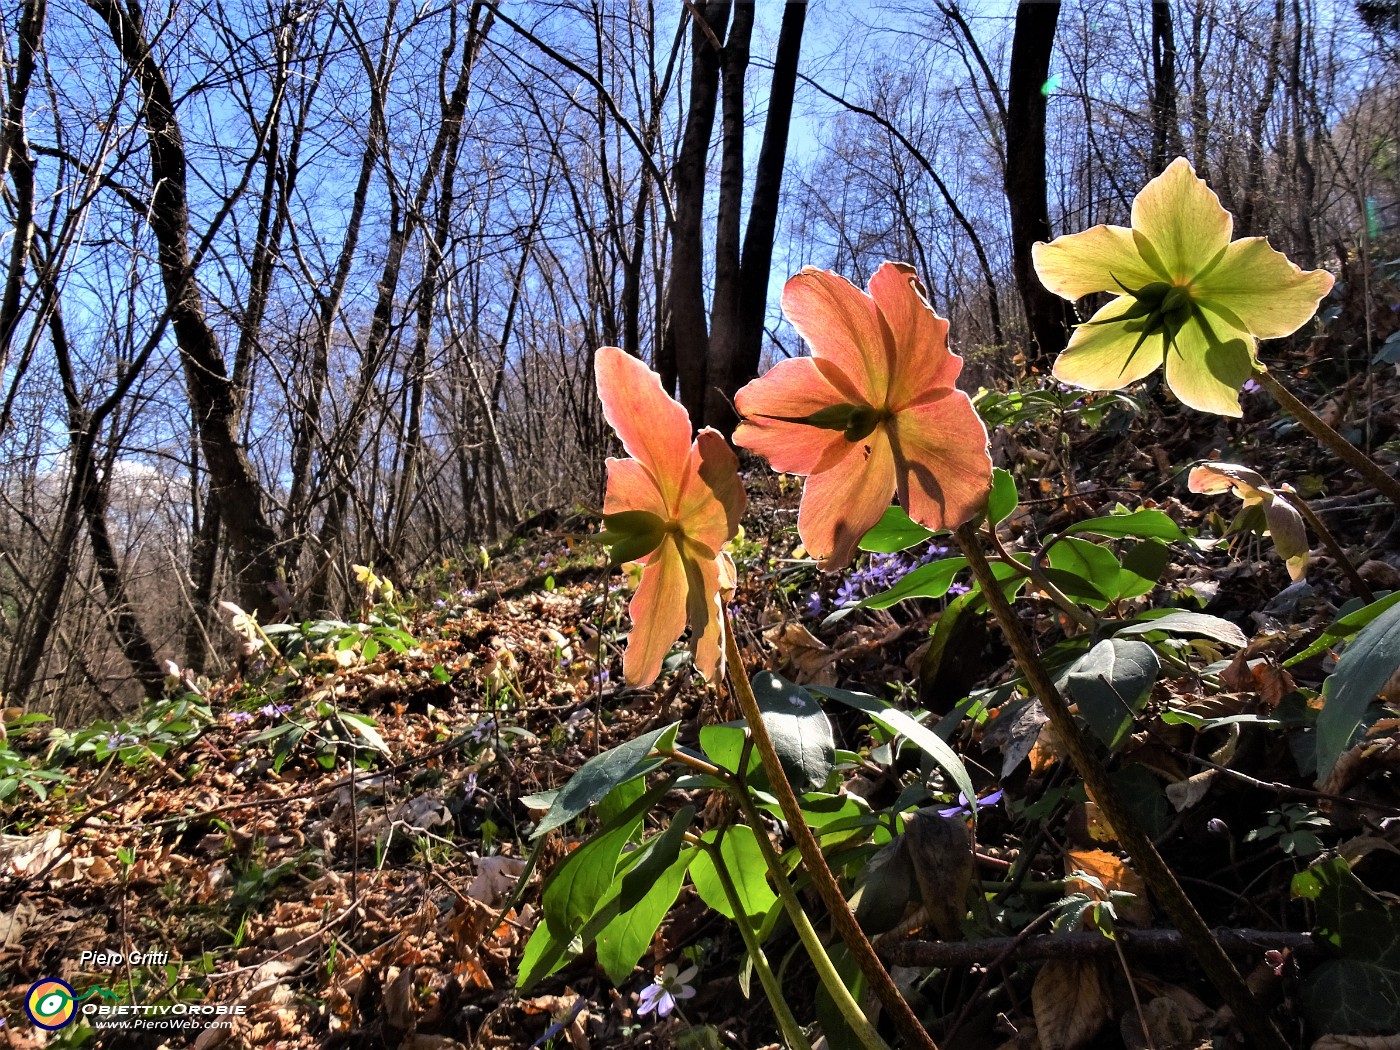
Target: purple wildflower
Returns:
[[240, 717], [666, 989], [964, 808], [274, 710]]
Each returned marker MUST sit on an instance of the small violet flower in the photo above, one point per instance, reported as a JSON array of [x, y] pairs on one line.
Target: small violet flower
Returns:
[[964, 808], [661, 995], [274, 710], [116, 741], [239, 718]]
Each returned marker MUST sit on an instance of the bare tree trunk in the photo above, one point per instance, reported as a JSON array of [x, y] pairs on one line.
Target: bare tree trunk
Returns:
[[251, 537], [14, 157], [688, 341], [737, 340], [454, 109], [1254, 144], [724, 307], [1166, 130], [1302, 162], [1047, 316]]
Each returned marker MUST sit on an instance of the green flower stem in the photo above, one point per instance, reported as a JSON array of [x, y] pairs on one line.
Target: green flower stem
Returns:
[[792, 1033], [822, 879], [1298, 503], [1036, 572], [1349, 453], [807, 933], [1253, 1019]]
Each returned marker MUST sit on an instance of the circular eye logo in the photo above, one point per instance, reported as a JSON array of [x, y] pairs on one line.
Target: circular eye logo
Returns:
[[51, 1003]]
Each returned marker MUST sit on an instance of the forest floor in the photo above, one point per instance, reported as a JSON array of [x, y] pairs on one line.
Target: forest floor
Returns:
[[250, 867]]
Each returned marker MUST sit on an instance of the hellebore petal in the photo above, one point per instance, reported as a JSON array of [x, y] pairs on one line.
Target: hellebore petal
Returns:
[[1182, 220], [871, 414], [654, 428], [712, 498], [791, 392], [1208, 363], [845, 501], [844, 328], [1285, 524], [672, 507], [658, 611], [1185, 294], [941, 462], [1080, 264], [1270, 295], [1095, 358], [922, 363]]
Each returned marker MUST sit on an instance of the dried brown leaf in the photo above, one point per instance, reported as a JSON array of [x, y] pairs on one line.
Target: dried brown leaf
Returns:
[[1072, 1002]]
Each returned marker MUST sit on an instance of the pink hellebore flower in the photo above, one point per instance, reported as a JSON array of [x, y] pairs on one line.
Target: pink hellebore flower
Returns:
[[672, 506], [873, 412]]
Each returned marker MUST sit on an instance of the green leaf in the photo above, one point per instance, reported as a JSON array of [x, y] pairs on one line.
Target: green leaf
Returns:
[[1111, 683], [364, 726], [1362, 672], [579, 884], [599, 775], [1089, 572], [800, 730], [897, 721], [744, 862], [545, 952], [927, 581], [1344, 627], [1143, 524], [646, 892], [369, 650], [1360, 990], [1190, 624], [895, 531], [723, 744], [1142, 568], [1001, 503]]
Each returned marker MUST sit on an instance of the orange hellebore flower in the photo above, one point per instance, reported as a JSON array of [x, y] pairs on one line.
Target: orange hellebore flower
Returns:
[[672, 506], [872, 413]]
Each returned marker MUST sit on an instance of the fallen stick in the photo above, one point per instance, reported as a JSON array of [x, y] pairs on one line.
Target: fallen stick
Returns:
[[1085, 945]]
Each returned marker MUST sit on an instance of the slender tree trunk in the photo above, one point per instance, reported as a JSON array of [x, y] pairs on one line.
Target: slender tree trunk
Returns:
[[251, 537], [688, 338], [1166, 130], [724, 307], [453, 113], [1048, 317], [14, 157], [737, 345], [1254, 143]]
